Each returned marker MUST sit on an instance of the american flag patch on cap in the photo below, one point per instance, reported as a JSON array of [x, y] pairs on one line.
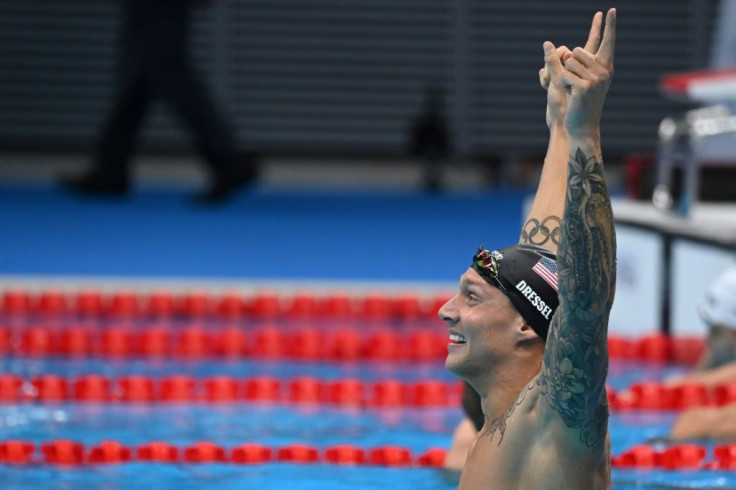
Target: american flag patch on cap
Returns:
[[546, 268]]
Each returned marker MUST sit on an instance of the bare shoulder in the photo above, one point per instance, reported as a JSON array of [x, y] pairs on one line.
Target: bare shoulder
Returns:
[[559, 464], [522, 449], [497, 458], [538, 418]]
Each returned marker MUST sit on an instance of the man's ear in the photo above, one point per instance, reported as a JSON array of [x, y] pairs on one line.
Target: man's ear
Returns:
[[524, 331]]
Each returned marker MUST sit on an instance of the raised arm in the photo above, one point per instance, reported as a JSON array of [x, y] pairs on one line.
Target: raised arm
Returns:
[[576, 356], [543, 224]]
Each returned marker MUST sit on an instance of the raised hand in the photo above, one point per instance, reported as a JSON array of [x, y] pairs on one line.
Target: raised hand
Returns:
[[550, 80], [550, 76], [586, 76]]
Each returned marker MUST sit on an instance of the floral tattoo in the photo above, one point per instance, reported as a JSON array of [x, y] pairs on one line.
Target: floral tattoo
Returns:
[[576, 356]]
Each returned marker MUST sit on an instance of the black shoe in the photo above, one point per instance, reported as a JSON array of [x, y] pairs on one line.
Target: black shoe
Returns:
[[225, 185], [95, 185], [222, 188], [432, 185]]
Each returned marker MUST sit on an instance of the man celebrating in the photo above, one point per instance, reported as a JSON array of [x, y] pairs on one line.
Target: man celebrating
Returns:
[[528, 328]]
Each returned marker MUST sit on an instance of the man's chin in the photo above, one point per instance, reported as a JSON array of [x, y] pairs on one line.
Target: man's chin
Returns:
[[454, 364], [459, 364]]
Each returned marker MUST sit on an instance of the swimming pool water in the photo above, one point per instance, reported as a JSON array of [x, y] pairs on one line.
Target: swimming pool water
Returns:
[[283, 369], [277, 425]]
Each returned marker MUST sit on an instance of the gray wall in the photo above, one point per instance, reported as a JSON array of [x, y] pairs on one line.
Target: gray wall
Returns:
[[347, 76]]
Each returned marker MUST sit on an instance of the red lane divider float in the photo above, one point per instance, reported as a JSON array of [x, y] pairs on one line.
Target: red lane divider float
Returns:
[[306, 343], [251, 453], [679, 457], [232, 342], [654, 396], [656, 348], [161, 452], [109, 452], [66, 452], [226, 389], [269, 305], [233, 305], [16, 452], [310, 390]]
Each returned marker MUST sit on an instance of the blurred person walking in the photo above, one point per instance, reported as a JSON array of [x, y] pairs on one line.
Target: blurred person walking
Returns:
[[154, 65], [430, 138]]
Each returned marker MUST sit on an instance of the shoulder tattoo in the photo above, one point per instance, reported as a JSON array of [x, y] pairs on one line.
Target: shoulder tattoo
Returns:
[[499, 424]]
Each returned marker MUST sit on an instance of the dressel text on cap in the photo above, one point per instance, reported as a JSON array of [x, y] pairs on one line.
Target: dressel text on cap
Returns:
[[534, 299]]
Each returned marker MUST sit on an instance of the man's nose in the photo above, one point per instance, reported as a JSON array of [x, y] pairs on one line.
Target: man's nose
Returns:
[[448, 312]]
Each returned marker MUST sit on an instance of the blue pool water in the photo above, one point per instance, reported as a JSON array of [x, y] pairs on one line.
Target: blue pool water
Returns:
[[266, 234], [408, 371], [277, 425]]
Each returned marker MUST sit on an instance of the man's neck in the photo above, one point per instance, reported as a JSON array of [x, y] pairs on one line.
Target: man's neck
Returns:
[[498, 393]]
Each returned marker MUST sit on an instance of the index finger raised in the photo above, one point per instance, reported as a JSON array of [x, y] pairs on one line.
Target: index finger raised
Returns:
[[594, 36], [605, 52]]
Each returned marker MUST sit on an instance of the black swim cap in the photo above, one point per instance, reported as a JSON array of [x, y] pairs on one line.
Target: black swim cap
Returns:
[[527, 274]]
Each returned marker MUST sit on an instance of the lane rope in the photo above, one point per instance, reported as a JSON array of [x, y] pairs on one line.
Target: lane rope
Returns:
[[226, 389], [232, 342], [51, 388], [232, 305], [71, 453], [655, 396], [18, 304], [68, 452], [309, 343]]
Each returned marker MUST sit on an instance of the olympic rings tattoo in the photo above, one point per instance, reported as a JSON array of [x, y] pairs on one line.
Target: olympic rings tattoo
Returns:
[[539, 233]]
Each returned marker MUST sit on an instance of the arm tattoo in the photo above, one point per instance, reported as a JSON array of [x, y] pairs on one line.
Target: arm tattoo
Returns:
[[576, 356], [540, 232]]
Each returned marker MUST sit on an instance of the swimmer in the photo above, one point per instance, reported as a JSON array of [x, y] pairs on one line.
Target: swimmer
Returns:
[[717, 366], [718, 423], [540, 369], [718, 311], [545, 234]]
